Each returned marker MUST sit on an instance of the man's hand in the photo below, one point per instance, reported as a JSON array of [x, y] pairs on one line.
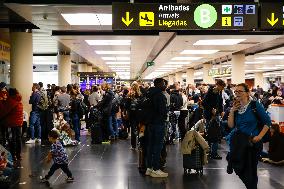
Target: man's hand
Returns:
[[256, 139]]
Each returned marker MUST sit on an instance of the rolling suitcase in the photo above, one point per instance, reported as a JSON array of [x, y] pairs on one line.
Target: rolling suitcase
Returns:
[[193, 161], [96, 134]]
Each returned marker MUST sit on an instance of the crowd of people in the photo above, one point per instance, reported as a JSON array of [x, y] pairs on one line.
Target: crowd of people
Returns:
[[153, 116]]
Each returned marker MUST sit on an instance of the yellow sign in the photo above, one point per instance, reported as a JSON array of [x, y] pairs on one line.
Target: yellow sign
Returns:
[[126, 20], [4, 51], [226, 21], [146, 18], [272, 21]]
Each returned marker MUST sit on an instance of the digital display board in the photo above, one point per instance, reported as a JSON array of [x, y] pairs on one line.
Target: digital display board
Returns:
[[213, 16], [272, 16]]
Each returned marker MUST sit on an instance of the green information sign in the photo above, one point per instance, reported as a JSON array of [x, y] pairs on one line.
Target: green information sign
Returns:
[[272, 16], [150, 64], [213, 16]]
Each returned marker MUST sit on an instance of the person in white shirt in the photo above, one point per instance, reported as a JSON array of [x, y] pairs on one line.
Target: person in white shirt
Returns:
[[95, 97]]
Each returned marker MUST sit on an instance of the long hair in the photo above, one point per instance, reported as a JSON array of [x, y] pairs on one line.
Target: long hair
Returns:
[[135, 90]]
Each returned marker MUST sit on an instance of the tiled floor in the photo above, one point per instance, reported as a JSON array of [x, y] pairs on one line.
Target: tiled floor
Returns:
[[115, 167]]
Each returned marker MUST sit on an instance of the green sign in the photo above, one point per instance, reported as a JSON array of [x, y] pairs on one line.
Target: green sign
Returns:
[[272, 16], [150, 64], [220, 72], [213, 16]]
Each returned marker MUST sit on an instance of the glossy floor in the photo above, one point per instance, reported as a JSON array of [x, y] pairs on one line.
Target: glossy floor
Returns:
[[115, 167]]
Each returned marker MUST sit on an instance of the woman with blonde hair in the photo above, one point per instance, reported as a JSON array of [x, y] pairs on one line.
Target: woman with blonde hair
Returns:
[[132, 105]]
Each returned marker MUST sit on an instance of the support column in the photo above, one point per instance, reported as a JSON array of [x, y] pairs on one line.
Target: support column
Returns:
[[94, 70], [238, 68], [171, 79], [64, 69], [90, 68], [178, 77], [82, 67], [206, 78], [189, 76], [21, 66], [258, 79]]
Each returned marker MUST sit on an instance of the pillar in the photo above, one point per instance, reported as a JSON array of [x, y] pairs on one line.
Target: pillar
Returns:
[[206, 78], [90, 68], [82, 67], [21, 65], [238, 68], [64, 69], [189, 76], [258, 79], [178, 77], [94, 70], [171, 79]]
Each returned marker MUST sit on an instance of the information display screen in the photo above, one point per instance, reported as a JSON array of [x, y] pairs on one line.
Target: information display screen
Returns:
[[213, 16]]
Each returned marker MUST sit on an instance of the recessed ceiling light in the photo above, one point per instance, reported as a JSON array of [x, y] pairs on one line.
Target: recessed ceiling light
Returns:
[[252, 70], [198, 73], [267, 68], [255, 62], [118, 63], [116, 58], [108, 42], [219, 42], [84, 19], [279, 65], [112, 52], [270, 58], [226, 66], [171, 66], [199, 51], [178, 63], [45, 63], [186, 58], [39, 58]]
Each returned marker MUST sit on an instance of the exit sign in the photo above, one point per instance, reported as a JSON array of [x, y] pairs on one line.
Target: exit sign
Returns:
[[150, 64]]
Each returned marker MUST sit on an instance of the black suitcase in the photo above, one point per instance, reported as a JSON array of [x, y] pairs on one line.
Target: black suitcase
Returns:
[[193, 161], [96, 134]]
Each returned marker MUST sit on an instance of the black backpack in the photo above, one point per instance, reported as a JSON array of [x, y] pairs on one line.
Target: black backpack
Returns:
[[144, 109], [266, 137], [95, 115], [115, 105], [82, 108], [176, 101]]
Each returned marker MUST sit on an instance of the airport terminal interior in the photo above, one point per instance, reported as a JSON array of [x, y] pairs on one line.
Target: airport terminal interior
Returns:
[[134, 94]]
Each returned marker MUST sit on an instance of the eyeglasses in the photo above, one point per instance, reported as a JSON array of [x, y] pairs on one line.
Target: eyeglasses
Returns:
[[239, 91]]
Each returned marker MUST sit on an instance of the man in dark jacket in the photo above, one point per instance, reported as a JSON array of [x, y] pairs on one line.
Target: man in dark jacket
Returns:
[[213, 104], [35, 114], [156, 129]]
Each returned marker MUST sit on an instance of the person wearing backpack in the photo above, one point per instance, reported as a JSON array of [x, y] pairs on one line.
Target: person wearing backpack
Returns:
[[75, 113], [35, 115], [132, 107], [250, 126], [213, 107]]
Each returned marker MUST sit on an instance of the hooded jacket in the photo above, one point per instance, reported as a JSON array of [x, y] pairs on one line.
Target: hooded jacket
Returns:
[[159, 102], [13, 114]]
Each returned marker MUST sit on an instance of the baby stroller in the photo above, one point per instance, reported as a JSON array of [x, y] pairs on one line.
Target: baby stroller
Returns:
[[194, 149]]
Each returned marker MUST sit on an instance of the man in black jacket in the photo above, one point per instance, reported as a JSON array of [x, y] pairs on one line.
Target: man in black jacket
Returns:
[[213, 104], [156, 129]]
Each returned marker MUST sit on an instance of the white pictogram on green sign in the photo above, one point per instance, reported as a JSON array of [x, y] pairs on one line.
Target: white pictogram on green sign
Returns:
[[205, 16]]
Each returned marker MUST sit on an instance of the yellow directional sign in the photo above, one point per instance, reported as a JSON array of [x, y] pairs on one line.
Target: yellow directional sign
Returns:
[[146, 19], [272, 21], [126, 20]]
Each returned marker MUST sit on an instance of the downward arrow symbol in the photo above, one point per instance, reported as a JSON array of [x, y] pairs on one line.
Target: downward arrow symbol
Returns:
[[126, 20], [272, 21]]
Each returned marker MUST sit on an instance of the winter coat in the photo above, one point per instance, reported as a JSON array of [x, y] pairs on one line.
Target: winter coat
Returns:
[[13, 114]]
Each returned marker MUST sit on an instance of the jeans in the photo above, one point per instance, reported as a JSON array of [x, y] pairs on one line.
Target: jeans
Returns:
[[15, 142], [63, 167], [114, 124], [134, 127], [156, 134], [66, 116], [35, 123], [214, 148], [76, 126]]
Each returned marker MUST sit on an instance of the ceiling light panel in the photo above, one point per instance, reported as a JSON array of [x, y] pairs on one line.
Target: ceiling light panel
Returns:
[[219, 42], [178, 63], [118, 63], [45, 63], [116, 58], [88, 19], [255, 62], [270, 58], [186, 58], [112, 52], [199, 51], [108, 42]]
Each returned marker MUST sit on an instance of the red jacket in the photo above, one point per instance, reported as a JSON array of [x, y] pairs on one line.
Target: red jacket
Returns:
[[11, 112]]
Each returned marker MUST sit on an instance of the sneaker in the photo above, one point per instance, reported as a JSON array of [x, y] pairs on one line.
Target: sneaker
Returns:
[[158, 174], [148, 172], [70, 179], [38, 141], [30, 141], [43, 179]]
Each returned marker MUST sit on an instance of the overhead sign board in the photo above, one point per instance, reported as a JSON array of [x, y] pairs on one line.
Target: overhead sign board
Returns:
[[220, 72], [272, 16], [4, 51], [213, 16]]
